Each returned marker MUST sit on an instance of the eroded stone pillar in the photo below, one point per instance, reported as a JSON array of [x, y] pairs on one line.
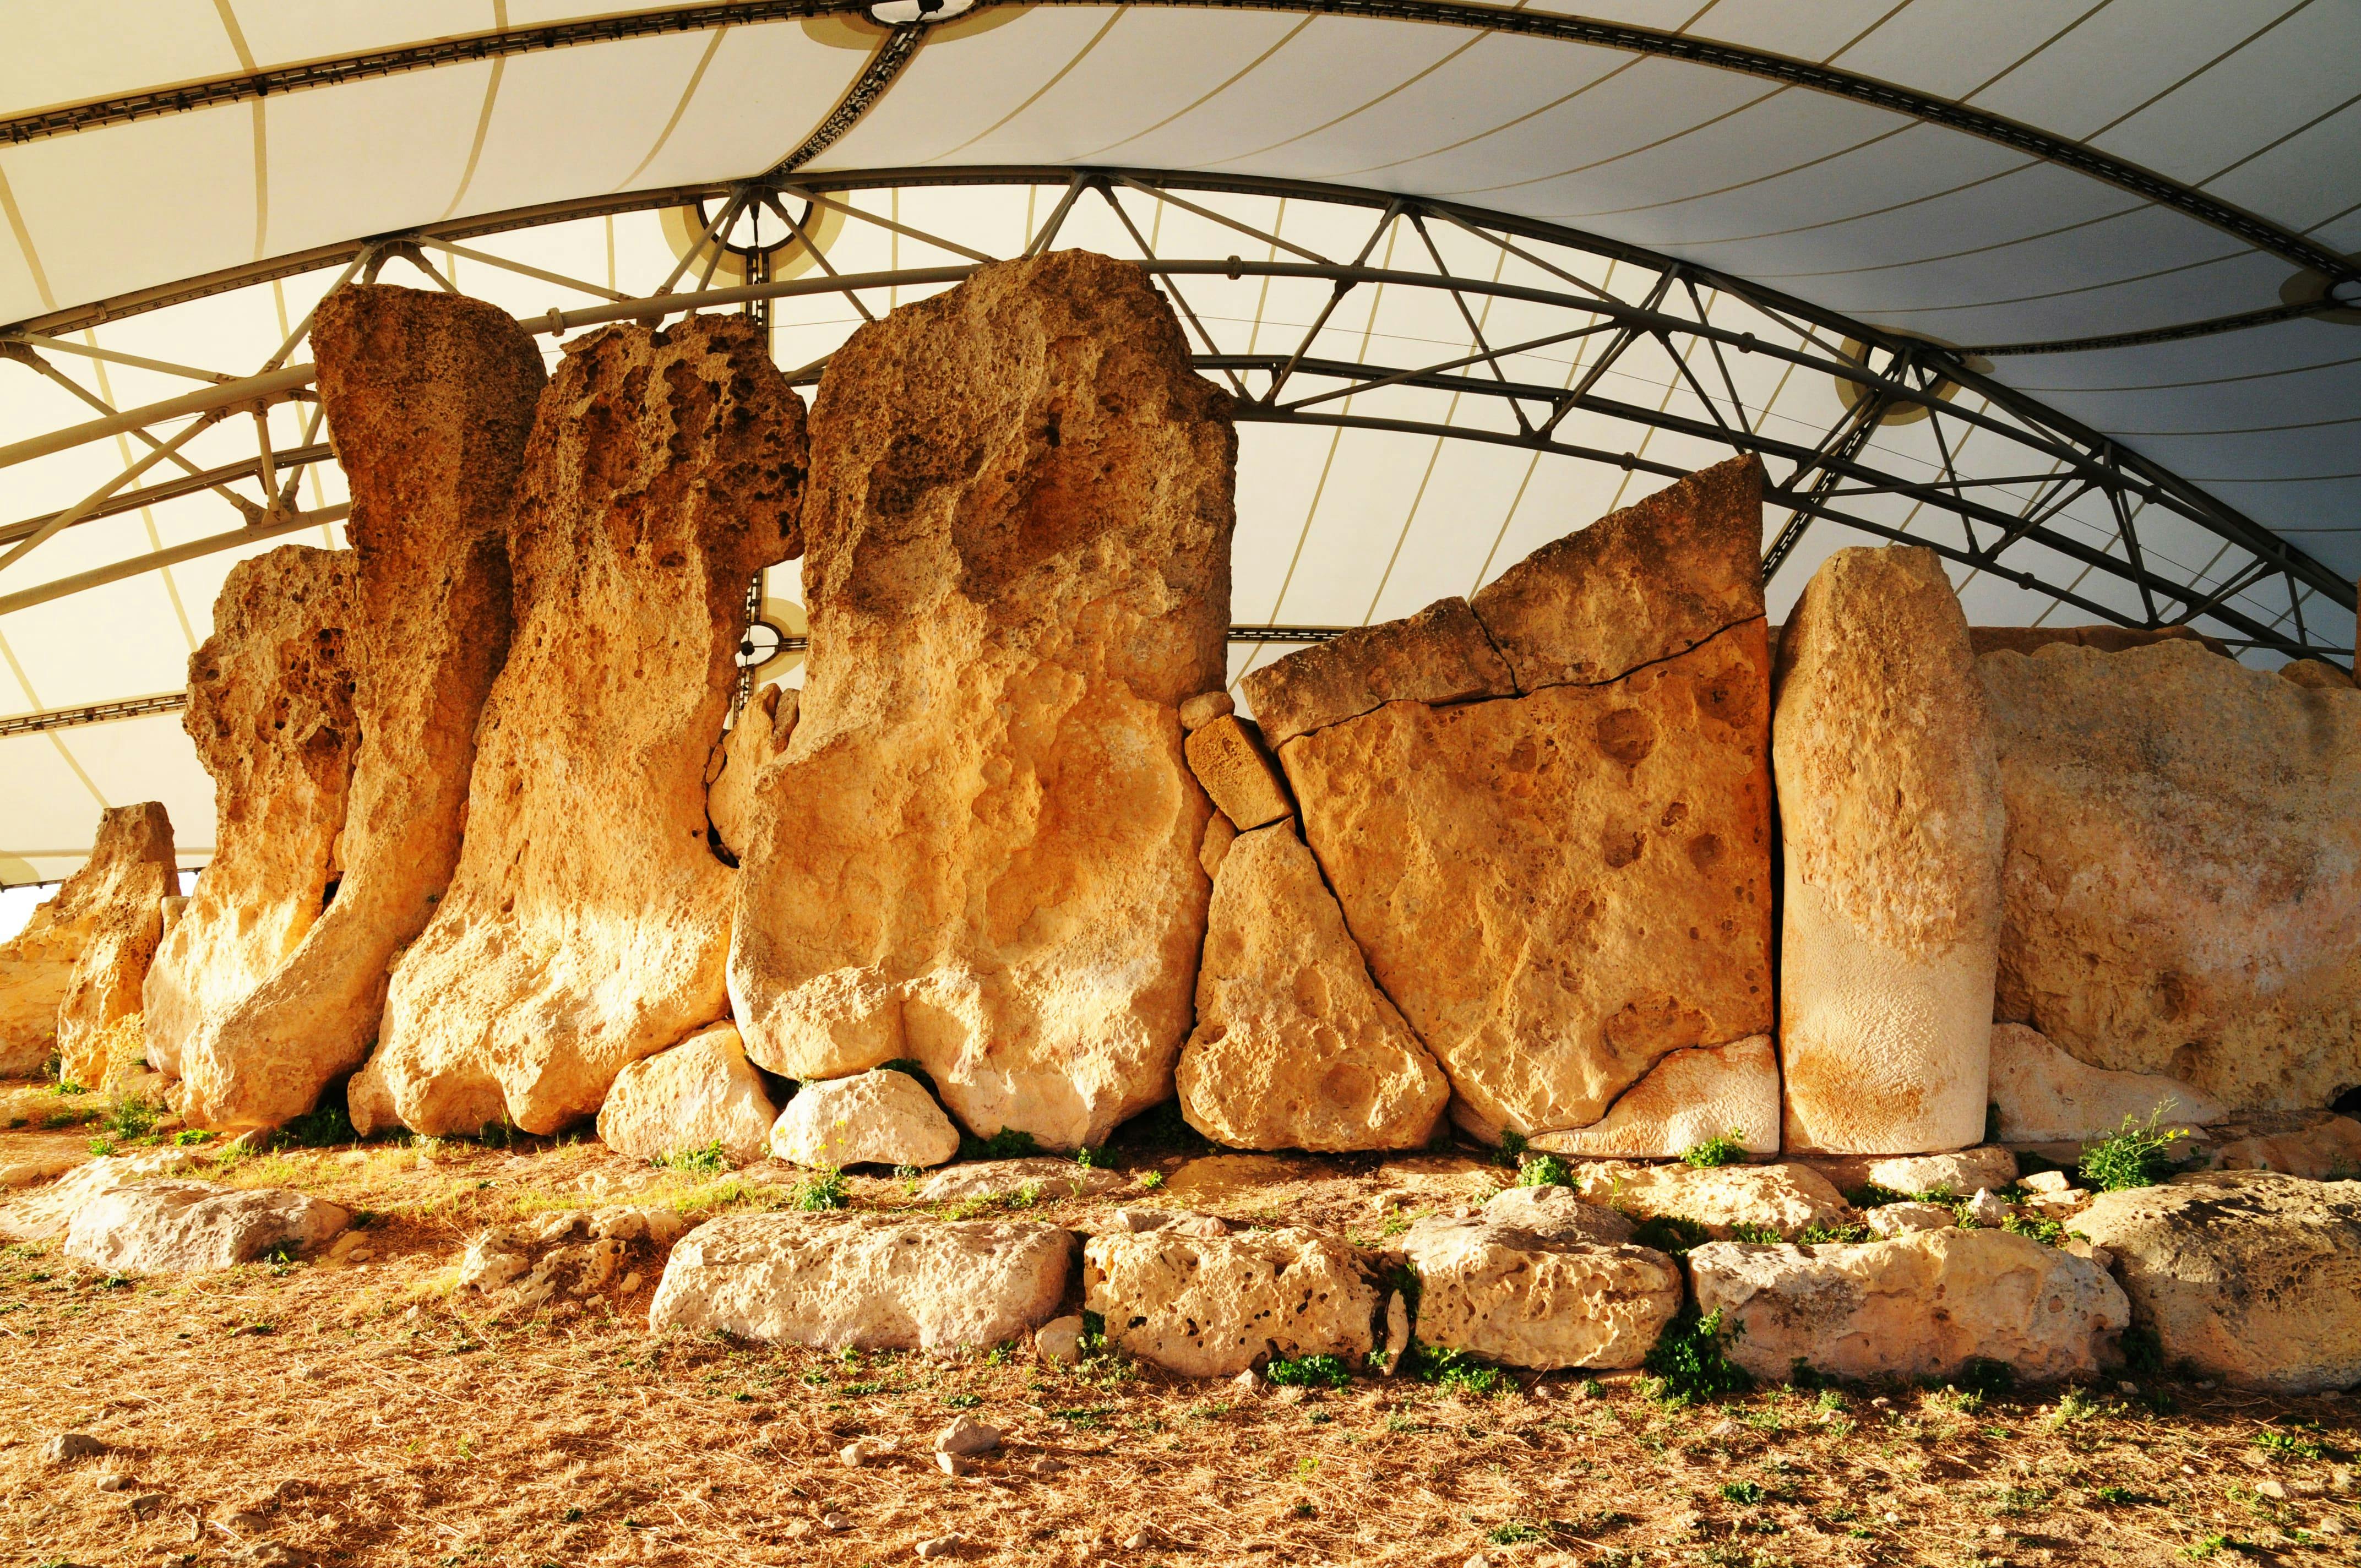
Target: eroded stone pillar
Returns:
[[587, 924], [270, 712], [1890, 810], [979, 848], [116, 904], [429, 398]]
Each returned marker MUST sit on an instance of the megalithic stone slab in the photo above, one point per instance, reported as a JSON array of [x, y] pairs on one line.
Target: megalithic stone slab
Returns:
[[130, 869], [270, 712], [588, 923], [1295, 1046], [2183, 882], [1439, 655], [979, 849], [1710, 1091], [1890, 809], [1643, 584], [430, 399], [41, 966], [1559, 889]]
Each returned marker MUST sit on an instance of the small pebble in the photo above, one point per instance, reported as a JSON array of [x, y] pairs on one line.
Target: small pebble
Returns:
[[1049, 1466], [940, 1546], [69, 1446], [862, 1450], [2274, 1490], [953, 1464], [966, 1435], [835, 1522], [146, 1503], [1723, 1429], [630, 1282], [1139, 1540], [1247, 1384]]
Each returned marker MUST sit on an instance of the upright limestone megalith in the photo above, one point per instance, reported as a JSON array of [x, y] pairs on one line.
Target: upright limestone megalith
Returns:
[[1890, 811], [430, 399], [2183, 886], [979, 848], [114, 909], [270, 712], [1563, 885], [588, 923]]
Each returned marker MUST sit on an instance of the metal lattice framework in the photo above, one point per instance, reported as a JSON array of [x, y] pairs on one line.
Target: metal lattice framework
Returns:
[[2044, 503]]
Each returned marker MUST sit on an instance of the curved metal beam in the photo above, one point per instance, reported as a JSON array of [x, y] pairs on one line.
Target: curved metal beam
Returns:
[[2253, 228]]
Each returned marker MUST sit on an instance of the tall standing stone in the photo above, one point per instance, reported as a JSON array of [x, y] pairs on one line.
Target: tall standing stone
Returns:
[[1890, 811], [1295, 1046], [270, 712], [119, 897], [42, 965], [980, 848], [1563, 887], [2183, 882], [430, 399], [587, 924]]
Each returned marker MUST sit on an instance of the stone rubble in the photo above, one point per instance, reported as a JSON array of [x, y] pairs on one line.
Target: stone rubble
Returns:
[[698, 1094]]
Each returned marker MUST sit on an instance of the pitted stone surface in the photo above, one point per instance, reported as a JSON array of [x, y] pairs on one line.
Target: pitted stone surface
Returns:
[[1689, 1096], [864, 1281], [1213, 1306], [1890, 813], [979, 849], [2251, 1277], [270, 712], [1439, 655], [1512, 1296], [1559, 890], [764, 729], [1787, 1198], [1923, 1305], [1555, 1213], [2183, 875], [1639, 586], [1295, 1047], [587, 924], [1227, 756], [430, 399]]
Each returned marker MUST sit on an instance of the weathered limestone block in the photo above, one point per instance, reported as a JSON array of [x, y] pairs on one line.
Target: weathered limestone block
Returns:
[[2045, 1096], [2251, 1277], [46, 1213], [2183, 875], [1653, 580], [1523, 1300], [701, 1091], [1049, 1178], [1243, 783], [1215, 1305], [1439, 655], [2326, 1149], [1890, 811], [130, 869], [270, 712], [979, 851], [881, 1117], [84, 942], [1960, 1173], [587, 924], [1687, 1097], [761, 734], [1559, 890], [1888, 1221], [1295, 1047], [864, 1281], [195, 1227], [1923, 1305], [2318, 674], [1554, 1213], [1788, 1199], [429, 398], [1198, 711]]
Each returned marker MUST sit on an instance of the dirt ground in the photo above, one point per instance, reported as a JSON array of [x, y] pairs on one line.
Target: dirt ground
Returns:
[[373, 1414]]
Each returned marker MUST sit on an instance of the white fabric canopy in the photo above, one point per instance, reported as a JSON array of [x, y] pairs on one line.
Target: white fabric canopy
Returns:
[[142, 152]]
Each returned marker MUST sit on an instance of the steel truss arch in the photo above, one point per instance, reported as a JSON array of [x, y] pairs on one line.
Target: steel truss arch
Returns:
[[2050, 505]]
